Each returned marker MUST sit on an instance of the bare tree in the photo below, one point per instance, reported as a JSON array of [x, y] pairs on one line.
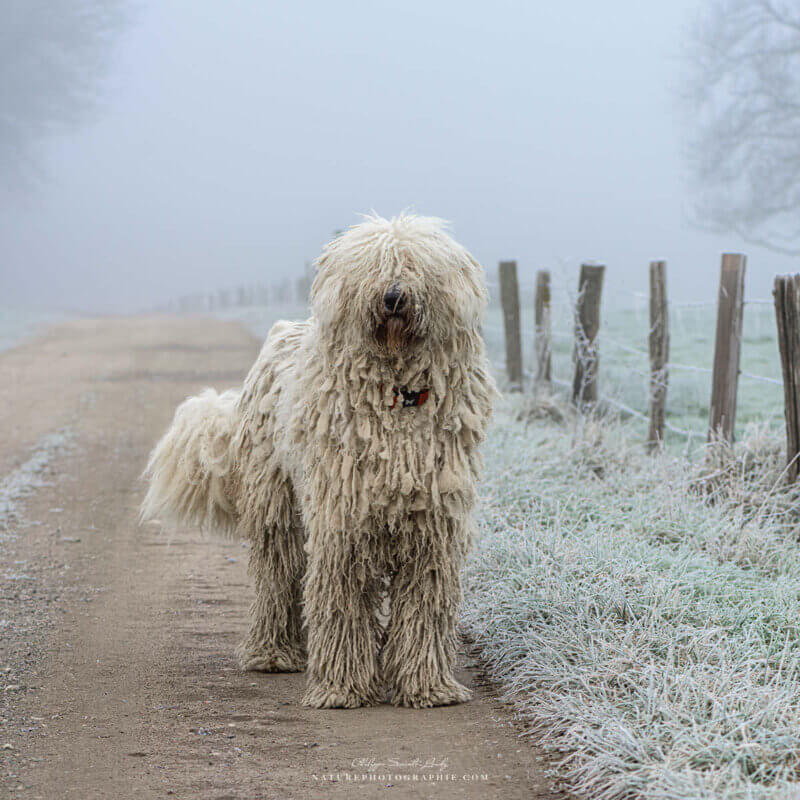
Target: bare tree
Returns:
[[744, 103], [53, 59]]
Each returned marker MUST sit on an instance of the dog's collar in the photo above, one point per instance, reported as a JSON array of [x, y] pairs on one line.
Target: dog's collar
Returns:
[[409, 399]]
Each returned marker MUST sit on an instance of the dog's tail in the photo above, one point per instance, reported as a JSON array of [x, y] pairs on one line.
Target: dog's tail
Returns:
[[191, 469]]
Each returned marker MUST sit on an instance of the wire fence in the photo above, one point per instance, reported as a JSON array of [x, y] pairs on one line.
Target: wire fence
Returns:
[[624, 373]]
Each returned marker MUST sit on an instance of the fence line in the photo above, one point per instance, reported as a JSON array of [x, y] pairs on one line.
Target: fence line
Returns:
[[725, 370]]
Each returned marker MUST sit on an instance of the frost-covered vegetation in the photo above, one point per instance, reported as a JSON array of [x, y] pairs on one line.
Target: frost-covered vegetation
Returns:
[[29, 476], [642, 611]]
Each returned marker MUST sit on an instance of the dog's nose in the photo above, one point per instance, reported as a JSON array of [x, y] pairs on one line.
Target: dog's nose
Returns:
[[394, 299]]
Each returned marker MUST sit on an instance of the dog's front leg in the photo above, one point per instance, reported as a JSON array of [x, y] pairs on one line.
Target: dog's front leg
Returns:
[[341, 603], [425, 592]]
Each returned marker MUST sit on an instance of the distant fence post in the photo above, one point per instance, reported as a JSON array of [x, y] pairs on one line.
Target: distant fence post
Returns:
[[587, 324], [509, 297], [302, 289], [727, 348], [659, 352], [543, 329], [787, 316]]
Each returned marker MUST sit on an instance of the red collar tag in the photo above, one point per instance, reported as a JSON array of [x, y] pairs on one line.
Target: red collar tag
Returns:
[[409, 399]]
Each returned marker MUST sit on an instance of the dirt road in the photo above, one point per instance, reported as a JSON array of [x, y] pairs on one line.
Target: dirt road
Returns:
[[117, 674]]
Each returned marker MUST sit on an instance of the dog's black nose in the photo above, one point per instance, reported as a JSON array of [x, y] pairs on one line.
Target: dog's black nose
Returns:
[[394, 299]]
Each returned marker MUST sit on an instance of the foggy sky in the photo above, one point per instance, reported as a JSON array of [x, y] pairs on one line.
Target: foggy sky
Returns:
[[236, 137]]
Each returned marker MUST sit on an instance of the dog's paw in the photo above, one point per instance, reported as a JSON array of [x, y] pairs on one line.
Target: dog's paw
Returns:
[[447, 693], [272, 660], [327, 697]]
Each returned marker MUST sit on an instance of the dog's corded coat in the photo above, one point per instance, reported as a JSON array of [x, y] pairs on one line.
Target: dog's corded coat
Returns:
[[346, 496]]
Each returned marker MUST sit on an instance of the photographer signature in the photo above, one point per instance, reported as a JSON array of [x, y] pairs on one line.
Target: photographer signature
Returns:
[[371, 765]]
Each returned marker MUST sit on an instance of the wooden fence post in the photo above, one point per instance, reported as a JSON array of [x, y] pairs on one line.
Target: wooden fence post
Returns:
[[727, 348], [659, 352], [787, 316], [509, 297], [587, 324], [543, 329]]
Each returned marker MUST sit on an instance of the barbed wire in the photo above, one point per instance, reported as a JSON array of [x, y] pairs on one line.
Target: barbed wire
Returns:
[[630, 372], [762, 378], [689, 368], [604, 398], [608, 340], [604, 341]]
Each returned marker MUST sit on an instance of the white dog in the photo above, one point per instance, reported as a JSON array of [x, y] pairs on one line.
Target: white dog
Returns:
[[349, 460]]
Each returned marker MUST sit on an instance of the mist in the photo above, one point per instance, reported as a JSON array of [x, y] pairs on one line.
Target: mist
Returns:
[[230, 142]]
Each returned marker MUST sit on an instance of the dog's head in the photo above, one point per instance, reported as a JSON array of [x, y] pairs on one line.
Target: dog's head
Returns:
[[392, 286]]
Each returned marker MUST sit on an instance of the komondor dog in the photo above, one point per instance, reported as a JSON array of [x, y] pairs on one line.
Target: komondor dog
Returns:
[[348, 460]]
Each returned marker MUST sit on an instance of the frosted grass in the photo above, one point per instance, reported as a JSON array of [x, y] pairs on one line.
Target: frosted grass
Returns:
[[642, 612], [29, 476]]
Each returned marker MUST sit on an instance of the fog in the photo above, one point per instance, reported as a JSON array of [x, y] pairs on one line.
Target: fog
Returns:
[[232, 139]]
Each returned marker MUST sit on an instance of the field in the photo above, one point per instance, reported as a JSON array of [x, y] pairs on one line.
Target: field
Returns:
[[18, 323], [640, 611]]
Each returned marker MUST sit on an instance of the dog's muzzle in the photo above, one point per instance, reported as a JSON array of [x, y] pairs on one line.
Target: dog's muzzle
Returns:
[[395, 327]]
